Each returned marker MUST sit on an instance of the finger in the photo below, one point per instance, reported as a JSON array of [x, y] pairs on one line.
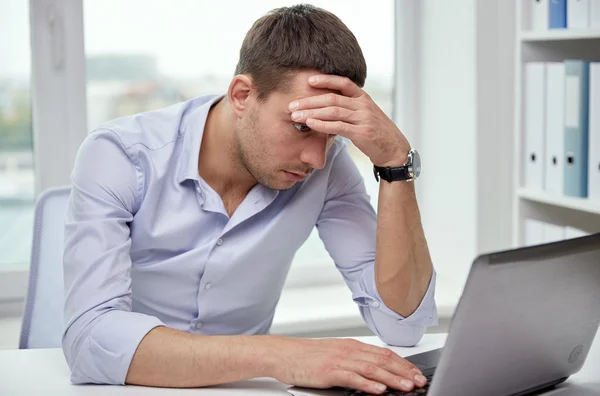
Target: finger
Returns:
[[325, 100], [326, 114], [373, 372], [400, 368], [352, 380], [388, 353], [332, 127], [343, 84], [375, 350]]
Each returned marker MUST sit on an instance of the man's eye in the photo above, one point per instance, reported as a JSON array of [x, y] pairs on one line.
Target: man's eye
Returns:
[[301, 127]]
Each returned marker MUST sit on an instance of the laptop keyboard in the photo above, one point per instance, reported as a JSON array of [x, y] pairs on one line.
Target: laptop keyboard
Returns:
[[393, 392]]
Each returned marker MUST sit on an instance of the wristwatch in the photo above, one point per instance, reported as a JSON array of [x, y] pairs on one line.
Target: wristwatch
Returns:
[[407, 172]]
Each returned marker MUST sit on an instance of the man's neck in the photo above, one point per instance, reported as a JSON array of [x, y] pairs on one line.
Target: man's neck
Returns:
[[218, 163]]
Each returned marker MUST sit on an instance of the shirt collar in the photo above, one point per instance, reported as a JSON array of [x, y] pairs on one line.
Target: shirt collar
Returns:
[[193, 129]]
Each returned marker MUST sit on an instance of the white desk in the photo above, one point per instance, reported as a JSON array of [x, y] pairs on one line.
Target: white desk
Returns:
[[45, 372]]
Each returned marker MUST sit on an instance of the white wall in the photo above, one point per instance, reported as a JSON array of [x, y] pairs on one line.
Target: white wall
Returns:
[[456, 93], [447, 138]]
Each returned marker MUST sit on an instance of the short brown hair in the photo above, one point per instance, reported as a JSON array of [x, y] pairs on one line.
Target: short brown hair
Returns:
[[300, 37]]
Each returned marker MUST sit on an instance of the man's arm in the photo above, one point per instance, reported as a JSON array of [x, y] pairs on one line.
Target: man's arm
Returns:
[[172, 358], [348, 225], [403, 267], [101, 333]]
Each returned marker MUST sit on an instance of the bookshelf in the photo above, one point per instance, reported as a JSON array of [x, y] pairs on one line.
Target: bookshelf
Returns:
[[578, 204], [559, 35], [553, 45]]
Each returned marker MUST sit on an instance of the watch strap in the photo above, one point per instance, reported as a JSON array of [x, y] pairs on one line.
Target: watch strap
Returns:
[[389, 174]]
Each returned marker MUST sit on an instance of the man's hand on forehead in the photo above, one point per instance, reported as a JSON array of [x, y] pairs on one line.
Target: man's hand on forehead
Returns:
[[352, 114]]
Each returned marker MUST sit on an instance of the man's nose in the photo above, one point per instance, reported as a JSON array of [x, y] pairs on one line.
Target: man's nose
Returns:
[[315, 150]]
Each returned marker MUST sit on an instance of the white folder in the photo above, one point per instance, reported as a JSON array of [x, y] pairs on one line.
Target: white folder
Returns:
[[535, 99], [534, 232], [572, 232], [578, 14], [553, 233], [539, 15], [594, 134], [595, 14], [555, 128]]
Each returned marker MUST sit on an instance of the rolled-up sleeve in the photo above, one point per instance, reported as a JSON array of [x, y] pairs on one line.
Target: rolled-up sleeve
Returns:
[[101, 334], [348, 225]]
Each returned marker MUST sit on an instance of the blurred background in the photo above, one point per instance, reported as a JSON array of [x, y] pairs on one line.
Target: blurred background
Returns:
[[443, 71]]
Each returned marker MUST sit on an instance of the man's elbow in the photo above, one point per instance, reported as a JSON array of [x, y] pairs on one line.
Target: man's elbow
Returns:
[[407, 336], [404, 332], [71, 347], [84, 366]]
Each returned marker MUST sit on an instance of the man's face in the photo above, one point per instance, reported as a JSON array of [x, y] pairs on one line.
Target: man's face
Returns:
[[276, 151]]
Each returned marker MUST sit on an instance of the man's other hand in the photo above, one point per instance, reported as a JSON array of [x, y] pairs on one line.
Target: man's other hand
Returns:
[[325, 363]]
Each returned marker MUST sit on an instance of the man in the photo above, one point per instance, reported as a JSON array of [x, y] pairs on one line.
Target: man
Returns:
[[182, 224]]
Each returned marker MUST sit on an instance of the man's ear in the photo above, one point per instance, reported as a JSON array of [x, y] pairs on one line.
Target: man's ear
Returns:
[[240, 93]]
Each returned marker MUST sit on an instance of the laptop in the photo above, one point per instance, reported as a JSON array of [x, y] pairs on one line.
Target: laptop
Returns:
[[525, 322]]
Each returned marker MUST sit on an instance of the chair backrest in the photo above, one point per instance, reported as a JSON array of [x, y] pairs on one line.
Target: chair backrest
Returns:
[[43, 316]]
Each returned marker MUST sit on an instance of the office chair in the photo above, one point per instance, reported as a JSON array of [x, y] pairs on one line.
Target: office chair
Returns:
[[42, 324]]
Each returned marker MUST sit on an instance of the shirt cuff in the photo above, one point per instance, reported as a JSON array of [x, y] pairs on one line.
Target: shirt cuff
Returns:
[[367, 296], [106, 354]]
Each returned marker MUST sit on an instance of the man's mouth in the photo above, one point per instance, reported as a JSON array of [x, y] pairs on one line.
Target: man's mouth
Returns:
[[296, 176]]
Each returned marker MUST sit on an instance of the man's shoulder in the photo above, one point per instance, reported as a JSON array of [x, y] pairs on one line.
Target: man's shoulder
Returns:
[[155, 128]]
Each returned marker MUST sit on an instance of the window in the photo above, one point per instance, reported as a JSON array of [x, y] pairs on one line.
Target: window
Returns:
[[142, 55], [16, 147]]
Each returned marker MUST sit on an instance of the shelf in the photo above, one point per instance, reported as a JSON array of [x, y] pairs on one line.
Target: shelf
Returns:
[[559, 35], [579, 204]]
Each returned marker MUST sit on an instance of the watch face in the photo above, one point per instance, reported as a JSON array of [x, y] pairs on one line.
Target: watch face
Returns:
[[416, 164]]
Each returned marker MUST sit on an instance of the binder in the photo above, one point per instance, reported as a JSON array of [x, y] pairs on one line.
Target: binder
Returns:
[[575, 176], [534, 232], [595, 14], [578, 14], [534, 125], [553, 233], [538, 14], [594, 134], [557, 14], [554, 126]]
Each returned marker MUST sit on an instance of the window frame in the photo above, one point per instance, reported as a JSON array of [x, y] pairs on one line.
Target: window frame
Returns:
[[58, 105]]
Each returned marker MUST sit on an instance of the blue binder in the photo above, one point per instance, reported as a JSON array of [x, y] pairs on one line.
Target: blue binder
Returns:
[[557, 14], [576, 128]]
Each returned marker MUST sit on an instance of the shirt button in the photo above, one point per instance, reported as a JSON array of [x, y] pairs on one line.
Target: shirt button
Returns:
[[219, 242], [375, 304], [208, 286], [199, 325]]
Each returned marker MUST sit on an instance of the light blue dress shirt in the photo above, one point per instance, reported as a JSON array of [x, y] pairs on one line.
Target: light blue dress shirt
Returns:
[[149, 243]]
